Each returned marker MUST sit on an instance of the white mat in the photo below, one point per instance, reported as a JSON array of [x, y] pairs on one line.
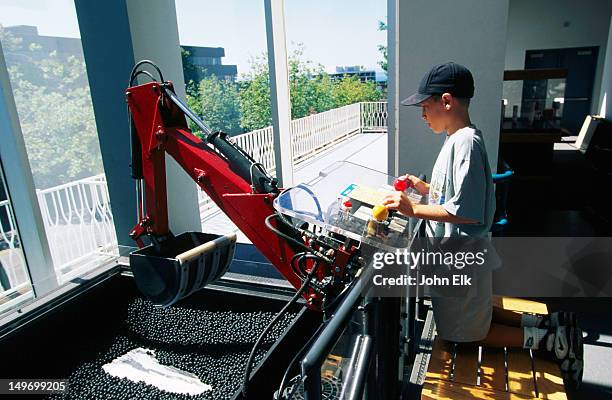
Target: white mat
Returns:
[[140, 365]]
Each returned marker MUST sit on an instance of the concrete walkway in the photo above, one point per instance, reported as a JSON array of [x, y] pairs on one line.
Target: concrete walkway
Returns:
[[367, 149]]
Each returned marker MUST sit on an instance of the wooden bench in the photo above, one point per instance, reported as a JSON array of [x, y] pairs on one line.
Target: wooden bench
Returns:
[[467, 371]]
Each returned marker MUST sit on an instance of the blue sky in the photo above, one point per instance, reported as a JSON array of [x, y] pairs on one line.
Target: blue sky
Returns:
[[333, 33]]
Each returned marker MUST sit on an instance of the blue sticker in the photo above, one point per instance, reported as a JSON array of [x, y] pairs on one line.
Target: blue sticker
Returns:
[[348, 190]]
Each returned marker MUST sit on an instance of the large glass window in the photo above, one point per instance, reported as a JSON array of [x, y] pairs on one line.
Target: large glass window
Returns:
[[44, 57], [15, 285], [338, 83], [223, 44]]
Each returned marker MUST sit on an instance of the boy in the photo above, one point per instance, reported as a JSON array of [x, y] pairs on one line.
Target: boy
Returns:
[[462, 203]]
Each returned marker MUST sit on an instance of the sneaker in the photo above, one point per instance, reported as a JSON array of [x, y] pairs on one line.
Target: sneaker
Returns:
[[572, 367], [558, 342], [565, 344]]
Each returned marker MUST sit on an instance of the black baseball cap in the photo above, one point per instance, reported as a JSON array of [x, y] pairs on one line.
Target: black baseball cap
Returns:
[[449, 77]]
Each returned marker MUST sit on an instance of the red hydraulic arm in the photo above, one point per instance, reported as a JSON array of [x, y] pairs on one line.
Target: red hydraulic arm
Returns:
[[160, 127]]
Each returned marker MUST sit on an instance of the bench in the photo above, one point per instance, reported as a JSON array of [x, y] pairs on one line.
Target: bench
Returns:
[[467, 371]]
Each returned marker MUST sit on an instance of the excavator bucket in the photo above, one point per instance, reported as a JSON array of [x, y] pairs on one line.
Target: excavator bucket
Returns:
[[183, 265]]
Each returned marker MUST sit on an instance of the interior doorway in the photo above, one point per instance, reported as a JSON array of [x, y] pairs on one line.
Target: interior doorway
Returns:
[[580, 63]]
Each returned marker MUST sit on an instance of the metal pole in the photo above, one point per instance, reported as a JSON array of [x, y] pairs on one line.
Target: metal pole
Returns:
[[279, 90], [362, 365], [21, 190], [311, 363]]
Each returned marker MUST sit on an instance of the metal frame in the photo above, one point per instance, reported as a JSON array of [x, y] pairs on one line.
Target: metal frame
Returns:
[[378, 360], [279, 90], [393, 28], [310, 364], [20, 188]]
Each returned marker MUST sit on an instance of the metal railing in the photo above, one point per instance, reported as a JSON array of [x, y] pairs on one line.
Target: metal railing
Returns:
[[309, 136], [11, 258], [78, 222], [260, 145], [374, 116], [8, 233]]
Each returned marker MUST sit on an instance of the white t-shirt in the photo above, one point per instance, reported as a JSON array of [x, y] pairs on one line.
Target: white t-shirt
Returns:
[[461, 182]]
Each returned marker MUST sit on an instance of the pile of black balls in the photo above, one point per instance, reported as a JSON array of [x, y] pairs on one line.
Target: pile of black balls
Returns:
[[211, 342]]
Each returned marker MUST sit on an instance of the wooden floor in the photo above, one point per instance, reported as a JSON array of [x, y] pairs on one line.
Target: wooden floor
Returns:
[[466, 371]]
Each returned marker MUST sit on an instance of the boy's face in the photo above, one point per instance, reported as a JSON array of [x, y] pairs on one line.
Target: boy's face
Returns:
[[433, 112]]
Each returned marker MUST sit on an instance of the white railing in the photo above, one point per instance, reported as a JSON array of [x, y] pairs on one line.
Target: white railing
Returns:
[[78, 222], [8, 234], [11, 258], [259, 144], [309, 136], [374, 116]]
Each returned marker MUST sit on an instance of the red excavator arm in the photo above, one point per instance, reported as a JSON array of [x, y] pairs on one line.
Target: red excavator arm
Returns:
[[233, 180], [161, 128]]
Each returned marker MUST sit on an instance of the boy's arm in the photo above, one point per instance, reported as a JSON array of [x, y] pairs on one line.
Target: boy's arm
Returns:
[[435, 212], [420, 185]]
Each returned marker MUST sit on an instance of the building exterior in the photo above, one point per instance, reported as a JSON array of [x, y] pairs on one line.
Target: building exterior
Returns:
[[39, 47], [206, 61], [363, 74]]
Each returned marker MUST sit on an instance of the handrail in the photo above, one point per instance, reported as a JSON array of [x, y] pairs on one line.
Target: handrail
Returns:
[[311, 362]]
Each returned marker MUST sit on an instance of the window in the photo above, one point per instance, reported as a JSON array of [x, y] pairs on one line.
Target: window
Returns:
[[337, 75], [44, 57], [15, 285], [226, 73]]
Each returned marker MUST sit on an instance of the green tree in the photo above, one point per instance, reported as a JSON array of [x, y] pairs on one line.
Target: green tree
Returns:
[[382, 26], [311, 91], [189, 71], [310, 86], [188, 67], [323, 98], [254, 96], [218, 104], [350, 90], [55, 112]]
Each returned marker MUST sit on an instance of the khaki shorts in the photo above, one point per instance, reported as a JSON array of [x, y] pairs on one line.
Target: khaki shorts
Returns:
[[466, 318]]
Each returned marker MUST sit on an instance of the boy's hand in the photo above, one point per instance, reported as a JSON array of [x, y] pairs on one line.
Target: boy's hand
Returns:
[[400, 202], [419, 185]]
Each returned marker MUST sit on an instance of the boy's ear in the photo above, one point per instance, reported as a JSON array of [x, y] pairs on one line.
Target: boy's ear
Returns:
[[446, 100]]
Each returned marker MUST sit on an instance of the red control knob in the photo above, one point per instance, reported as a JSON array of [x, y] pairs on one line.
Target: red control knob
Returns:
[[347, 204], [402, 183]]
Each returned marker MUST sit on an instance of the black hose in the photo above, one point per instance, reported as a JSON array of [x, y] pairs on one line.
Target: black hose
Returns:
[[298, 294], [143, 72], [138, 64], [299, 354], [293, 267], [284, 236], [302, 260]]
